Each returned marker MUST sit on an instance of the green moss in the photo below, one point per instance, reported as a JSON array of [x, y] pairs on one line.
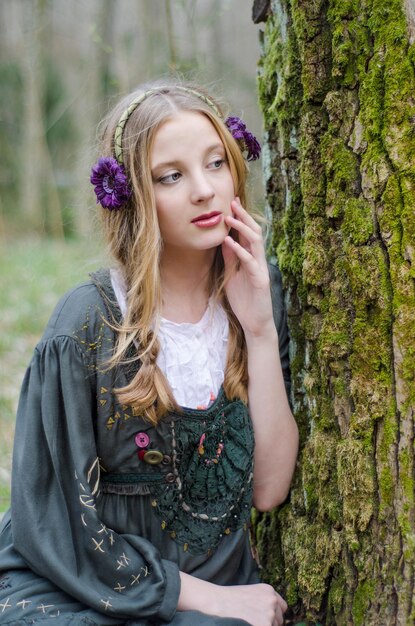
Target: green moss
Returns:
[[389, 217], [342, 105], [362, 597], [317, 261], [321, 496], [355, 471], [387, 88], [357, 225], [386, 486], [370, 357], [267, 539], [313, 557], [406, 466], [268, 65], [398, 135], [335, 337], [314, 43], [311, 325], [387, 22], [311, 169], [371, 93], [290, 250], [341, 170], [350, 41], [279, 97], [336, 594], [306, 18]]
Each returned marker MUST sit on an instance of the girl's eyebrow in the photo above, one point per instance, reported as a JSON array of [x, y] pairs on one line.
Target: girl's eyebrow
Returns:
[[164, 164], [173, 163]]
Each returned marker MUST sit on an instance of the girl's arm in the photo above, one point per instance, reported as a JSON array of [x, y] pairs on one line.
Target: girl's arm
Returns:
[[57, 527], [276, 433], [248, 292]]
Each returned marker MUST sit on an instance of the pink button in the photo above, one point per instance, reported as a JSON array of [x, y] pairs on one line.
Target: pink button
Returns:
[[142, 440]]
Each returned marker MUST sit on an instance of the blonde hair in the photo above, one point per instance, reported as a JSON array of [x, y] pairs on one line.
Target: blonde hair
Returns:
[[134, 240]]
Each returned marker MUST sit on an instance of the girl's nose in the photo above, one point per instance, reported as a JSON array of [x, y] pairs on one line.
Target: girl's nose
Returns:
[[202, 189]]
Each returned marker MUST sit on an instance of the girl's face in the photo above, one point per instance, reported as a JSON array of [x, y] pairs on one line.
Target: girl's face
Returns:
[[192, 182]]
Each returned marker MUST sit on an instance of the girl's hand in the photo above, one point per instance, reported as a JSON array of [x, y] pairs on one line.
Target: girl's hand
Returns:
[[259, 605], [247, 286]]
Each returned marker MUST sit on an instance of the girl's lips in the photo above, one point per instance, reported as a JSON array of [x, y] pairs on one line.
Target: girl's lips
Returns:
[[207, 220]]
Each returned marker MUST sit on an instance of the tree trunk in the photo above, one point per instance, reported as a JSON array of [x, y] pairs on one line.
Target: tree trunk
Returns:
[[337, 90], [40, 199]]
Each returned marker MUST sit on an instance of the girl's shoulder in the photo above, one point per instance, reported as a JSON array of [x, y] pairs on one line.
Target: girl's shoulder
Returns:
[[84, 310]]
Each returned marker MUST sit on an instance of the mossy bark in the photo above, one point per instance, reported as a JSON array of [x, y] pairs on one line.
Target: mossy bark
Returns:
[[337, 88]]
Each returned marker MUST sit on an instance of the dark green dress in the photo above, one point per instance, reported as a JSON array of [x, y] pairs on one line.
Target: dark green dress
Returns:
[[107, 509]]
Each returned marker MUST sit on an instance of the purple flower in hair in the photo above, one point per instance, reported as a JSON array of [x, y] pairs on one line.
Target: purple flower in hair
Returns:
[[110, 183], [246, 140]]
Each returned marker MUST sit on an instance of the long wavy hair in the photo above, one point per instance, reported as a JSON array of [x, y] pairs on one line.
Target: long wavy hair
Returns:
[[135, 242]]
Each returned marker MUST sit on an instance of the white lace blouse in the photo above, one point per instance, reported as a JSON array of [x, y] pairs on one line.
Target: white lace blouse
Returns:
[[192, 356]]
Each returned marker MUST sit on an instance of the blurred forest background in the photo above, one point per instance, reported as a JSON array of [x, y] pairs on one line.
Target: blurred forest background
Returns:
[[62, 64]]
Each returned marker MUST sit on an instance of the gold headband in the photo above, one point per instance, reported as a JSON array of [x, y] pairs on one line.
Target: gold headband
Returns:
[[119, 130]]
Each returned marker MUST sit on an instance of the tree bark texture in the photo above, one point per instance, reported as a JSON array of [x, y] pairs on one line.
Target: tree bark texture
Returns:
[[337, 88]]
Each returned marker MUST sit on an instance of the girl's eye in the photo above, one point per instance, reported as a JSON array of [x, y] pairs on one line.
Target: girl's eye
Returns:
[[170, 178], [217, 164]]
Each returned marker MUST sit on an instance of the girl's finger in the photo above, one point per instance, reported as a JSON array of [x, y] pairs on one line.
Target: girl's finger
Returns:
[[244, 216], [250, 241], [243, 255], [253, 237]]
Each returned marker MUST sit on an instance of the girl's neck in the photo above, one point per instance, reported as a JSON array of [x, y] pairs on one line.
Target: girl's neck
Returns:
[[185, 284]]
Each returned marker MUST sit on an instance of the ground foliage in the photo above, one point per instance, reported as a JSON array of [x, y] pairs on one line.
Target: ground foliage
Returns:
[[336, 85]]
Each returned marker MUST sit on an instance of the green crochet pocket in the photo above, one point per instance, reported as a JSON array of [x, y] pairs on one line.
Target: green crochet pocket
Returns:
[[213, 468]]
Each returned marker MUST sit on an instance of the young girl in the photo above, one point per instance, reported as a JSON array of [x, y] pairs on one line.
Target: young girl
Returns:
[[134, 465]]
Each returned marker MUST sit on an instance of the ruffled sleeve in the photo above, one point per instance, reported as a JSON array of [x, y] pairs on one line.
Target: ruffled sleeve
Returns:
[[55, 487]]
